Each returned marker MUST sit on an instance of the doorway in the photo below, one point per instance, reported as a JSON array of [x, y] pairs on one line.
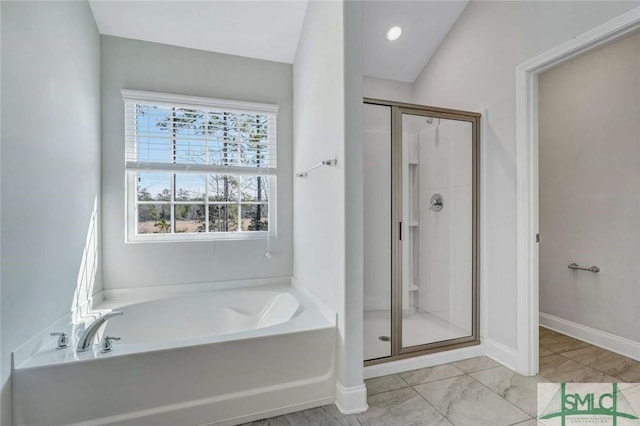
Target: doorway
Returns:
[[527, 171]]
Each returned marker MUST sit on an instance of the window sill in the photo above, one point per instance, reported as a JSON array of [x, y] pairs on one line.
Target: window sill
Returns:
[[199, 238]]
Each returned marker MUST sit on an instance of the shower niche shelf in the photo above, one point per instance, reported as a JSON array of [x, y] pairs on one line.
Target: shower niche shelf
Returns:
[[411, 197]]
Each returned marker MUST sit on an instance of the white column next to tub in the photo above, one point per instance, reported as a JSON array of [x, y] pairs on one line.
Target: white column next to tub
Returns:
[[328, 205], [351, 392]]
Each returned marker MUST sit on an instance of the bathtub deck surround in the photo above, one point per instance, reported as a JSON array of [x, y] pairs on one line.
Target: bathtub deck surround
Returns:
[[231, 355]]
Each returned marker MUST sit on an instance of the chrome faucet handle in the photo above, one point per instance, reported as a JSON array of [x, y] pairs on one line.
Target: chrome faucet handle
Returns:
[[63, 340], [88, 335], [107, 346]]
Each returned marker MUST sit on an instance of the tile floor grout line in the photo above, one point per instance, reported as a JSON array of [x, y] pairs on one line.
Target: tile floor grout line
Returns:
[[438, 380], [430, 404], [422, 397], [585, 365], [402, 378], [562, 354], [482, 384], [434, 381], [523, 422], [483, 369], [589, 366], [505, 399], [451, 364], [577, 362], [490, 368], [390, 390], [544, 347]]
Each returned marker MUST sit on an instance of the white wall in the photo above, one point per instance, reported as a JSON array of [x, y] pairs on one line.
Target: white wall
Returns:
[[589, 145], [444, 153], [131, 64], [474, 68], [388, 90], [320, 213], [319, 135], [50, 164]]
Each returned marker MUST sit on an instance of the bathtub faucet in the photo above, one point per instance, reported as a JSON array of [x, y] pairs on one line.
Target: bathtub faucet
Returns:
[[89, 333]]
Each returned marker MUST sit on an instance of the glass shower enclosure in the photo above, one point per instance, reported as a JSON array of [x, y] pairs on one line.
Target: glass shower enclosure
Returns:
[[421, 229]]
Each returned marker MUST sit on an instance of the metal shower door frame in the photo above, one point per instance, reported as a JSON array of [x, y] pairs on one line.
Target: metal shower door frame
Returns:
[[397, 110]]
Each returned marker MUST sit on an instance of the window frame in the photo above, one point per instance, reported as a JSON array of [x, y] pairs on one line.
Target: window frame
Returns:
[[131, 174]]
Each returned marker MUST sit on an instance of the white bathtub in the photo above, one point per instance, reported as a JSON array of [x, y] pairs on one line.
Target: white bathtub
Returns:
[[207, 317], [203, 357], [198, 316]]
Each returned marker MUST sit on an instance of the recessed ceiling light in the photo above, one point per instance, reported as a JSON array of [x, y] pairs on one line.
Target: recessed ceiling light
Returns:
[[394, 33]]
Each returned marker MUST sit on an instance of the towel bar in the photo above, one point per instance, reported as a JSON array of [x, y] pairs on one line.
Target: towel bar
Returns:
[[593, 268]]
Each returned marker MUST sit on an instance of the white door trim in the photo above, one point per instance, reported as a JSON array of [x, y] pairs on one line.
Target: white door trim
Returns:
[[527, 173]]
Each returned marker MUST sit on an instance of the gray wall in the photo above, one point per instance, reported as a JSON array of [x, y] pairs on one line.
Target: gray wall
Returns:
[[130, 64], [589, 136], [474, 68], [50, 163]]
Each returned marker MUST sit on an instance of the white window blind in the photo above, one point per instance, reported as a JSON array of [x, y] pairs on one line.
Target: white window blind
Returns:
[[186, 133], [199, 168]]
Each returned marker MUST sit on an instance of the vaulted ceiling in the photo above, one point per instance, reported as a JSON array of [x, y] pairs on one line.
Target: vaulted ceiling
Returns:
[[424, 25], [271, 29], [257, 29]]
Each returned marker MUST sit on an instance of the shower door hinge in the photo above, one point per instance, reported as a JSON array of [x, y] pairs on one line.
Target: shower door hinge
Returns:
[[537, 238]]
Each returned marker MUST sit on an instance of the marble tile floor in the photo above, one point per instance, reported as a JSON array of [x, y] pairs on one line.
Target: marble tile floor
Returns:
[[565, 359], [473, 392]]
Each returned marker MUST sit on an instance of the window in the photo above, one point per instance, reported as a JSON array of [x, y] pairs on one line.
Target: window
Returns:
[[198, 168]]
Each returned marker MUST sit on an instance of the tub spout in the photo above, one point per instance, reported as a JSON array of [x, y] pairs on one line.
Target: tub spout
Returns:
[[89, 333]]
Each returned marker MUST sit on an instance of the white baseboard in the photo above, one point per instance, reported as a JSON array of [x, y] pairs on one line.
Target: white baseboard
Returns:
[[424, 361], [611, 342], [501, 353], [351, 400]]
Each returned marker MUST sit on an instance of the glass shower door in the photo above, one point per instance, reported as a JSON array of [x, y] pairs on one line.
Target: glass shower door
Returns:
[[436, 175], [376, 138], [420, 229]]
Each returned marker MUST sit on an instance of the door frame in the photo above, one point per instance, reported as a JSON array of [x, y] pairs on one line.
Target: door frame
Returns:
[[527, 174], [397, 109]]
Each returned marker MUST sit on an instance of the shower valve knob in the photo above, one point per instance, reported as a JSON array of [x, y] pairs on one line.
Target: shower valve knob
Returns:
[[437, 202]]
